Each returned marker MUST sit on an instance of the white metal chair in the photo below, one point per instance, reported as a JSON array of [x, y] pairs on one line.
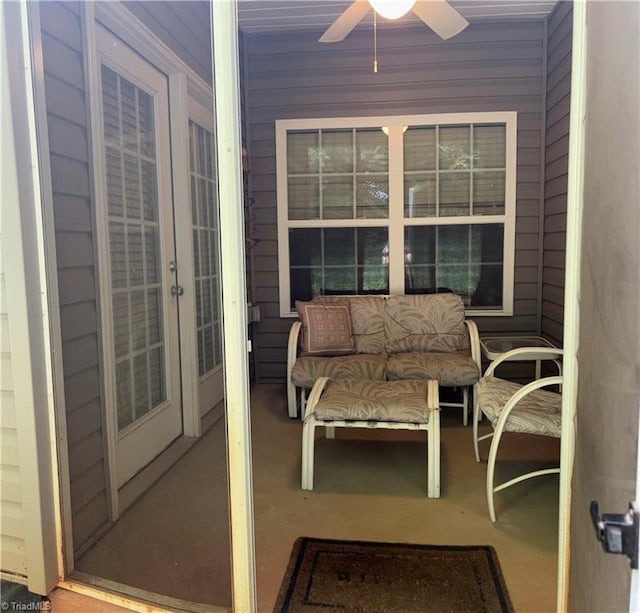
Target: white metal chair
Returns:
[[512, 407]]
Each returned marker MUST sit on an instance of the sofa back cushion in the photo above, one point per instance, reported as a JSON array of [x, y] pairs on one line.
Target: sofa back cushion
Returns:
[[425, 322], [367, 320]]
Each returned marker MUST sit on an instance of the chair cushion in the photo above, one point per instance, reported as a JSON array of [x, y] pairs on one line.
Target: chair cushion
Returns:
[[398, 401], [361, 366], [425, 322], [367, 320], [537, 413], [449, 369], [326, 328]]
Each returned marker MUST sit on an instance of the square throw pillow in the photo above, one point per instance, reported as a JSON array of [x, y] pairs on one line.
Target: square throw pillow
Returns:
[[326, 328]]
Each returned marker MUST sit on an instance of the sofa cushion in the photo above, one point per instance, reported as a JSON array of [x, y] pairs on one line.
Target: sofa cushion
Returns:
[[399, 401], [326, 328], [362, 366], [449, 369], [367, 320], [537, 413], [425, 323]]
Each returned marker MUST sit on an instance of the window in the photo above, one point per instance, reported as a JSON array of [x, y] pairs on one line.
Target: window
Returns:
[[412, 204]]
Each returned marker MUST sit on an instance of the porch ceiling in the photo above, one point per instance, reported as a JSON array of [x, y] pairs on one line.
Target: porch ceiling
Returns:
[[285, 15]]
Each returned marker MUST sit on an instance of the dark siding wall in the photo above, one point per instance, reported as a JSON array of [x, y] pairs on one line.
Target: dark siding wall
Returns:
[[556, 166], [67, 119], [182, 25], [489, 67]]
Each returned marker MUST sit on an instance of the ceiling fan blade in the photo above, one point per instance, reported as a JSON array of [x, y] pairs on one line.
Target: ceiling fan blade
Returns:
[[441, 17], [339, 29]]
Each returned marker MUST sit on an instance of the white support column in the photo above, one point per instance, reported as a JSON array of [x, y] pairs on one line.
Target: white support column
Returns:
[[227, 102]]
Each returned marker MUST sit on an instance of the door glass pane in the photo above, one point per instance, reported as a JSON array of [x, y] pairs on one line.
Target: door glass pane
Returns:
[[132, 205], [204, 208]]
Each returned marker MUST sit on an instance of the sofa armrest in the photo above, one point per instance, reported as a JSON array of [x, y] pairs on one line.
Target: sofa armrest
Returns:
[[292, 354], [474, 340]]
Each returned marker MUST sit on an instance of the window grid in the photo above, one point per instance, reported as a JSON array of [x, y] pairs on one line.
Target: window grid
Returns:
[[206, 236], [133, 401], [481, 197]]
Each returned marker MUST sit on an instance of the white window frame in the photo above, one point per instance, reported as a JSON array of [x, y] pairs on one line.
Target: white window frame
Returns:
[[396, 222]]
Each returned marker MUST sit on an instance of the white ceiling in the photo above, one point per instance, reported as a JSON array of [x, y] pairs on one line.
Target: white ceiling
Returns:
[[282, 15]]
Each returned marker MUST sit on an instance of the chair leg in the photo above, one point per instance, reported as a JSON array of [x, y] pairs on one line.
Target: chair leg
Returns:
[[292, 400], [465, 405], [491, 465], [303, 402], [476, 417], [308, 441], [433, 456]]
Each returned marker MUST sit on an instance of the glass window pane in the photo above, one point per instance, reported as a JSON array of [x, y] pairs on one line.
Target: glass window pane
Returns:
[[454, 194], [121, 325], [117, 247], [337, 197], [372, 197], [488, 193], [420, 196], [304, 197], [337, 151], [339, 246], [138, 320], [305, 246], [419, 259], [145, 119], [152, 254], [489, 146], [305, 283], [372, 147], [136, 255], [454, 147], [303, 152], [128, 106], [156, 367], [149, 194], [373, 279], [420, 148], [339, 280], [373, 246], [115, 202], [154, 315], [132, 186], [110, 104], [140, 385], [123, 394]]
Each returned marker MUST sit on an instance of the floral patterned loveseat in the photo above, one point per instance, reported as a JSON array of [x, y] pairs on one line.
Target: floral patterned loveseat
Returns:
[[408, 337]]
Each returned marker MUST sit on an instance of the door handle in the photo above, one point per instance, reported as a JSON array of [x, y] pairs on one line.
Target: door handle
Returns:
[[177, 290], [618, 533]]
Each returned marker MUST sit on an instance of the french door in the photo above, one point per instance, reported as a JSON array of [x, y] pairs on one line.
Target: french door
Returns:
[[142, 367]]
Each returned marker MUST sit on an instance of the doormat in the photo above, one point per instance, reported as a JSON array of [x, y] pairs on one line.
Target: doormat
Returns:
[[329, 575]]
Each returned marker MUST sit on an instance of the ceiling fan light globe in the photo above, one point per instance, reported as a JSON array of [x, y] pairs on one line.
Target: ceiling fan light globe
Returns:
[[392, 9]]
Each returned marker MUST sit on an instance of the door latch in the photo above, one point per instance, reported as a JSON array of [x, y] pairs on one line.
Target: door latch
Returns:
[[618, 533], [177, 290]]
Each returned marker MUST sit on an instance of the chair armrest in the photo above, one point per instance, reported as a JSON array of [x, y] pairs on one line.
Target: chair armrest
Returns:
[[525, 354], [474, 340], [292, 354]]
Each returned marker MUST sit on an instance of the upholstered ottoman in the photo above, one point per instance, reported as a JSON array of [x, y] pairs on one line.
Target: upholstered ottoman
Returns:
[[396, 405]]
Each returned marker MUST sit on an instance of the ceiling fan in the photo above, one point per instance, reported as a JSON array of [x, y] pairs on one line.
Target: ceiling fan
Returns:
[[439, 15]]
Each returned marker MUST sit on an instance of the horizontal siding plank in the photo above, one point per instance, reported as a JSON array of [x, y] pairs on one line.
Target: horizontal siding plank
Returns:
[[9, 449], [11, 519], [87, 486], [13, 557], [7, 409], [74, 249], [11, 490], [76, 285], [65, 101], [89, 520], [61, 23], [554, 276], [84, 454], [554, 295], [83, 421], [556, 223], [78, 320], [82, 388], [67, 139], [72, 213], [558, 111], [62, 61], [69, 176], [79, 354]]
